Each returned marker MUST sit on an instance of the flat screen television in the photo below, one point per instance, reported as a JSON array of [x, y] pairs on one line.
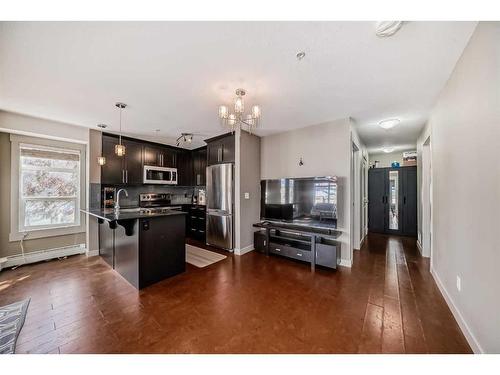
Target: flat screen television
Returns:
[[291, 199]]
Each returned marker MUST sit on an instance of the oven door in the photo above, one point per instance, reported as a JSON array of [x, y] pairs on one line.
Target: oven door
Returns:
[[158, 175]]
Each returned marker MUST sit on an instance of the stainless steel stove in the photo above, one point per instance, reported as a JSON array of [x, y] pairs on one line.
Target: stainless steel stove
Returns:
[[152, 203]]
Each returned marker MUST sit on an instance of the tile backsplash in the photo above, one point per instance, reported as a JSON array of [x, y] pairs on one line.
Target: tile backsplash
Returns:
[[179, 194]]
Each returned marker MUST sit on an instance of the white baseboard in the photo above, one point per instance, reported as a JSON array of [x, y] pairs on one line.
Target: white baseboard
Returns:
[[92, 253], [345, 263], [471, 339], [245, 250], [38, 256]]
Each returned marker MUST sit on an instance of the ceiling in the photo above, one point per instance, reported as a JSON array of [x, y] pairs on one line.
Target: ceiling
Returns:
[[173, 75]]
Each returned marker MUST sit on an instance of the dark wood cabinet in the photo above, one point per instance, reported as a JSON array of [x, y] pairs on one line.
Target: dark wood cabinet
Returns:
[[392, 200], [221, 149], [128, 169], [112, 171], [185, 168], [200, 167], [125, 169], [196, 222], [151, 155], [133, 162], [161, 248], [160, 156]]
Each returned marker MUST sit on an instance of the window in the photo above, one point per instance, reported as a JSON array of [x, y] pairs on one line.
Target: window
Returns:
[[49, 187], [325, 192]]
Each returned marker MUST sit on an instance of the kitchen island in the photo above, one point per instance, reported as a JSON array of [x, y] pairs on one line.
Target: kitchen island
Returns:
[[141, 246]]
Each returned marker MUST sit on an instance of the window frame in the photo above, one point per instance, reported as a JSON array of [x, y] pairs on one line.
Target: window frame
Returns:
[[18, 230], [22, 200]]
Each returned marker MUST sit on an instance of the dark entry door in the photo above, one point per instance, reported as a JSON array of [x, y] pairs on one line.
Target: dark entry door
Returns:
[[377, 208]]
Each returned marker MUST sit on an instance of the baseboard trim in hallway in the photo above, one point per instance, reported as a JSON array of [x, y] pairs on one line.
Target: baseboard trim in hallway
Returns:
[[471, 339]]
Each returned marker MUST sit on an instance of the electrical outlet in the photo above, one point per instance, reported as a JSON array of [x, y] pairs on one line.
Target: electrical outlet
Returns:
[[459, 284], [247, 195]]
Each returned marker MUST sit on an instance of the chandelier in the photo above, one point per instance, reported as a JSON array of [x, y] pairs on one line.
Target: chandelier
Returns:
[[238, 119]]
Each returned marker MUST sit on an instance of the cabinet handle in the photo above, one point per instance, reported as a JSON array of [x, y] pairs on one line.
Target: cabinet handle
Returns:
[[299, 254], [126, 176], [123, 176], [277, 249], [198, 179], [264, 242]]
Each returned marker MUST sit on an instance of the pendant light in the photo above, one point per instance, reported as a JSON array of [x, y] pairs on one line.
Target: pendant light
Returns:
[[101, 160], [120, 148]]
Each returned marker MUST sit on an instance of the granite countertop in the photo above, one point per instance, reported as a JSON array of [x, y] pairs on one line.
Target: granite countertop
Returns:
[[309, 228], [109, 214]]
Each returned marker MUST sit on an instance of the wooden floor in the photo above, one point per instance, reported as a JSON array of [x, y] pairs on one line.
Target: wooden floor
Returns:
[[386, 303]]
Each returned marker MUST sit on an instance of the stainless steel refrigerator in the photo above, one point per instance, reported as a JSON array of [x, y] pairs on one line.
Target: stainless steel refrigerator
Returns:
[[220, 194]]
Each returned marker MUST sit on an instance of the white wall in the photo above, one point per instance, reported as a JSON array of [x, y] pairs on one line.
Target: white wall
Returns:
[[325, 150], [465, 139], [14, 123], [423, 191], [386, 159], [247, 180]]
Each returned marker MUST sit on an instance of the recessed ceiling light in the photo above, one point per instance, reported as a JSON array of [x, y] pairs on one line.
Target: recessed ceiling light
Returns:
[[388, 150], [388, 124], [301, 55]]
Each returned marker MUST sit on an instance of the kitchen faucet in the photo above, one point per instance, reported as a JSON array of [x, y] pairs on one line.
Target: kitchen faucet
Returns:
[[117, 203]]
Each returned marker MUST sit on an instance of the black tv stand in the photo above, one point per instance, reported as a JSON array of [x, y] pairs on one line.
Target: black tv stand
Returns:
[[317, 246]]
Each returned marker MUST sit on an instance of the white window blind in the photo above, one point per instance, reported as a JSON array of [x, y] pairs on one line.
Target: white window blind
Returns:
[[49, 187]]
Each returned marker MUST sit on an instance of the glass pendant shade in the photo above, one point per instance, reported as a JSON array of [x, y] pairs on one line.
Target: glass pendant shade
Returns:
[[101, 160], [223, 112], [256, 111], [232, 119], [120, 149], [239, 105]]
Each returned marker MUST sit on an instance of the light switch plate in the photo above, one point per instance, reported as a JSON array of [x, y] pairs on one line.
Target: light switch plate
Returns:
[[247, 195]]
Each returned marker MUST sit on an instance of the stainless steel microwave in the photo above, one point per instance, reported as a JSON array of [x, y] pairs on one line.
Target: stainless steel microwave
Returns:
[[160, 175]]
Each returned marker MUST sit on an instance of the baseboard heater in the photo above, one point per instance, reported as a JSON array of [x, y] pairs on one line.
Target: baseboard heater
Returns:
[[41, 255]]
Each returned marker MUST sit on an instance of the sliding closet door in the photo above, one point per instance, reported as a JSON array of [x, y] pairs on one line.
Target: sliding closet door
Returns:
[[377, 212], [409, 201]]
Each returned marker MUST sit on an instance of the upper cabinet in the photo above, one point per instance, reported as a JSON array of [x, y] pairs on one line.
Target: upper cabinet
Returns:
[[200, 166], [160, 156], [185, 168], [125, 169], [221, 149], [128, 169]]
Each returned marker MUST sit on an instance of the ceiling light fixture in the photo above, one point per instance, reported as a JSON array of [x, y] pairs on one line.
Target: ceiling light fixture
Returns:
[[301, 55], [238, 119], [184, 138], [385, 29], [101, 160], [388, 150], [388, 124], [120, 148]]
